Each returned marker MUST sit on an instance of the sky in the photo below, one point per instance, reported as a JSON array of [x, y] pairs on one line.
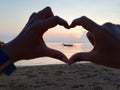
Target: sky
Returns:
[[15, 14]]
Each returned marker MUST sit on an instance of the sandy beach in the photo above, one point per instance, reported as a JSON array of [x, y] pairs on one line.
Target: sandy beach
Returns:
[[85, 76]]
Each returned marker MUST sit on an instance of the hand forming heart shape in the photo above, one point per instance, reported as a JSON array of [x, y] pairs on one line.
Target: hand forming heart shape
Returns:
[[29, 43], [106, 42]]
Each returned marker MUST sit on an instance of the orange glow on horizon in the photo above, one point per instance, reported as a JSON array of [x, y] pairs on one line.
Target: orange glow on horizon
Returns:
[[59, 31]]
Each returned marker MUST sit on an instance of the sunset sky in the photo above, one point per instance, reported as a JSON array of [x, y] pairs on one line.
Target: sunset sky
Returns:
[[15, 13]]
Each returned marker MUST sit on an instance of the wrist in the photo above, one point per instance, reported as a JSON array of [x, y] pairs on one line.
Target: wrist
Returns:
[[9, 51], [6, 65]]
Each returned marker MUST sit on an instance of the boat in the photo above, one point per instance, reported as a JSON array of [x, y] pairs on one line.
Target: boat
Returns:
[[67, 44]]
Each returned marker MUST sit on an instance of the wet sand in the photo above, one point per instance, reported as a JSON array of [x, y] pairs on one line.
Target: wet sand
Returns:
[[62, 77]]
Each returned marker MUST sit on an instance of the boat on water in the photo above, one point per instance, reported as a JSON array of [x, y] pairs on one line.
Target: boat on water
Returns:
[[67, 44]]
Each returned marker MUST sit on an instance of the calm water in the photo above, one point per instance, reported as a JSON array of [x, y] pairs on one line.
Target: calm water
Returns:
[[68, 51]]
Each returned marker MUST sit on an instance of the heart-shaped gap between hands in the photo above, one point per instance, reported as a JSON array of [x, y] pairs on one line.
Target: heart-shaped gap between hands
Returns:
[[60, 51], [56, 37]]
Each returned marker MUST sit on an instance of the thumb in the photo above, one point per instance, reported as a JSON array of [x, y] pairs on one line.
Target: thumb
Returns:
[[91, 38], [56, 54], [85, 56]]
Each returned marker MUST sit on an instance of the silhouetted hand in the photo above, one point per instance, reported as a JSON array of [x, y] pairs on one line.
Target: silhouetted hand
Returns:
[[29, 43], [106, 42]]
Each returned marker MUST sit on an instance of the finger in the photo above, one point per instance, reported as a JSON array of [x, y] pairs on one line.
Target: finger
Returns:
[[53, 21], [45, 13], [79, 57], [56, 54], [85, 23], [44, 25], [32, 18], [91, 38]]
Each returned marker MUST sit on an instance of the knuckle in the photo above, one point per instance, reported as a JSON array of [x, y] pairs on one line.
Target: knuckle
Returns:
[[47, 9], [107, 24], [75, 20], [32, 15], [83, 17], [56, 18]]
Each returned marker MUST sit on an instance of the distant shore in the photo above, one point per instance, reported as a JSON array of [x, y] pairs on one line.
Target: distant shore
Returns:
[[85, 76]]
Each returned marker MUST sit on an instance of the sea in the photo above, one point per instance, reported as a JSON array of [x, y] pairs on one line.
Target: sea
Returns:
[[67, 50]]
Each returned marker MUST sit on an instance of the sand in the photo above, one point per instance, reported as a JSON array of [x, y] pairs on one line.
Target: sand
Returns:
[[62, 77]]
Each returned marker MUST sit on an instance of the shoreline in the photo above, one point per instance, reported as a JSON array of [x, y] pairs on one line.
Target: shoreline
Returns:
[[82, 76]]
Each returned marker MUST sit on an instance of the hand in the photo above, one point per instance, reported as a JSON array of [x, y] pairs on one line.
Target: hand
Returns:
[[106, 42], [29, 43]]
